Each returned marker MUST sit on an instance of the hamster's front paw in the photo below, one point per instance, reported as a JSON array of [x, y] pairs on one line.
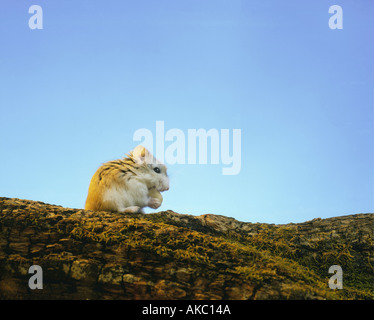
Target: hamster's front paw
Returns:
[[154, 203]]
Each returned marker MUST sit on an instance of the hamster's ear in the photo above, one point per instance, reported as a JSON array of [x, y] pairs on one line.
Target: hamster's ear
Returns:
[[139, 154]]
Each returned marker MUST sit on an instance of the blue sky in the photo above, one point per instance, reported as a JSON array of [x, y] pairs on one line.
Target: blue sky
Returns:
[[73, 94]]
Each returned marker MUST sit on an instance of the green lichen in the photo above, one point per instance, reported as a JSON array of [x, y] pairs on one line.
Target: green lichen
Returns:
[[292, 260]]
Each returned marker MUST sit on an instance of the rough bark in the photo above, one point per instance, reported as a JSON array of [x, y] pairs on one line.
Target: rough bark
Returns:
[[166, 255]]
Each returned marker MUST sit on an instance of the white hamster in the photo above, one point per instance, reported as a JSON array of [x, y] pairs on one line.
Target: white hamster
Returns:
[[124, 185]]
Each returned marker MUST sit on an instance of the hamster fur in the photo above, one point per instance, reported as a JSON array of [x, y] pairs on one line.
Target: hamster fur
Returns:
[[123, 185]]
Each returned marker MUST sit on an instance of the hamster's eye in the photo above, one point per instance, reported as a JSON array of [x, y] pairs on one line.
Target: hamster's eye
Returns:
[[157, 170]]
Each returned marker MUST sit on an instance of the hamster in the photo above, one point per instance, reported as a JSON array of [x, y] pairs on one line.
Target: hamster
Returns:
[[128, 185]]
